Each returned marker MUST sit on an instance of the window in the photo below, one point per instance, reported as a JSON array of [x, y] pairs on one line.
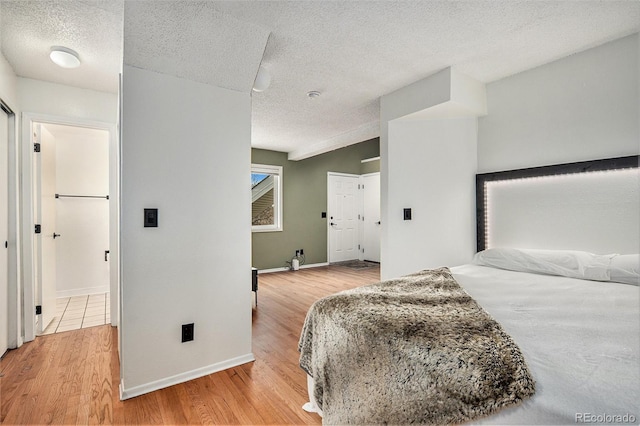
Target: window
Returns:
[[266, 198]]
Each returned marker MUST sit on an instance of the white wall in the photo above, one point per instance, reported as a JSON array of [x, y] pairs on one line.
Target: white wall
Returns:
[[186, 150], [582, 107], [428, 142], [8, 84], [41, 97], [9, 94], [82, 168], [432, 171]]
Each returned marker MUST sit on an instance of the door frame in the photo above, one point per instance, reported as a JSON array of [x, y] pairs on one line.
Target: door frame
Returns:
[[362, 230], [13, 231], [26, 190], [358, 203]]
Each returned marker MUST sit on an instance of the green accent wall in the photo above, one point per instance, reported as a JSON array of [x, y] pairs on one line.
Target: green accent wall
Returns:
[[370, 167], [304, 188]]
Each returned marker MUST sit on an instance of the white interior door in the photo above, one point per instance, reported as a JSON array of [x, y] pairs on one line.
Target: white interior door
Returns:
[[342, 212], [45, 215], [4, 232], [371, 217]]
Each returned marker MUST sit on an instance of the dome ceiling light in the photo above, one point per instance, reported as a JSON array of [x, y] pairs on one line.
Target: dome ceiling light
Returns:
[[64, 57], [263, 80]]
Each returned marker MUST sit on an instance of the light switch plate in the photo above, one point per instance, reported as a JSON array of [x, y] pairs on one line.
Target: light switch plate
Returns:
[[150, 218]]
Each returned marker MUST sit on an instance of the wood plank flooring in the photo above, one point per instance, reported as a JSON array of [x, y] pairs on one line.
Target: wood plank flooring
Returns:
[[73, 377]]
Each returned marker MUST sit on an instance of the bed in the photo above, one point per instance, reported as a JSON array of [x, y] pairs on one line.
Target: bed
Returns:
[[566, 293], [579, 337]]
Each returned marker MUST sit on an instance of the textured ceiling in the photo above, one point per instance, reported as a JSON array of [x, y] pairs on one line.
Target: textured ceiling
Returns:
[[194, 40], [28, 29], [352, 52]]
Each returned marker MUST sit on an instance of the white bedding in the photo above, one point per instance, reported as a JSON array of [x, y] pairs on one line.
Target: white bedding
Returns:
[[581, 340]]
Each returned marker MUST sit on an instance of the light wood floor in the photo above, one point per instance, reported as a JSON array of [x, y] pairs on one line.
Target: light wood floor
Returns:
[[73, 377]]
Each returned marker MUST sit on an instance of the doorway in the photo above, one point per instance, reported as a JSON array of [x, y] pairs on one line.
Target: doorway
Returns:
[[72, 208], [10, 316], [342, 212], [4, 231], [353, 222], [371, 225], [71, 192]]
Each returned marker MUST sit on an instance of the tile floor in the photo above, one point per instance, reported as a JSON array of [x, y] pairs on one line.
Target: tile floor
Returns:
[[74, 313]]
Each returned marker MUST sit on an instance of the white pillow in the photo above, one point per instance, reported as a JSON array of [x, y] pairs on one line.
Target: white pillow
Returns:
[[625, 268], [565, 263]]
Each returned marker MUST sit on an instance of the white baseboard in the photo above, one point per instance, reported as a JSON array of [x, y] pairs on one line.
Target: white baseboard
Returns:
[[82, 291], [268, 271], [312, 265], [183, 377]]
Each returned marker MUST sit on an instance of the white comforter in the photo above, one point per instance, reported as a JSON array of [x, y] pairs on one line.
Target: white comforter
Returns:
[[581, 340]]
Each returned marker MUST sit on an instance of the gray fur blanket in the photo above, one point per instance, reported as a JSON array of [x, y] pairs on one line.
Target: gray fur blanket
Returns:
[[417, 349]]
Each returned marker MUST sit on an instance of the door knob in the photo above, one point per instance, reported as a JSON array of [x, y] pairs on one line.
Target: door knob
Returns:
[[332, 224], [378, 223], [55, 235]]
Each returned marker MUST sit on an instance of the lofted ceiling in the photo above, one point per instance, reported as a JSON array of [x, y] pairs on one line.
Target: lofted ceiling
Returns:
[[352, 52]]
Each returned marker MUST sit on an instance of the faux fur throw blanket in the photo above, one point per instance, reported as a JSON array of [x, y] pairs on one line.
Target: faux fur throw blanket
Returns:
[[417, 349]]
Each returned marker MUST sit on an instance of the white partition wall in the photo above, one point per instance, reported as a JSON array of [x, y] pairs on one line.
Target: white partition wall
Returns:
[[436, 180], [185, 152], [428, 140]]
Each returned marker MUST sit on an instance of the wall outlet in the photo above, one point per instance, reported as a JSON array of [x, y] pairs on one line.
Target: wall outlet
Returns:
[[301, 252], [187, 332]]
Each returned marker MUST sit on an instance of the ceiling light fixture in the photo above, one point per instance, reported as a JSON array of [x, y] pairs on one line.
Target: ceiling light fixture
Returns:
[[313, 94], [263, 80], [64, 57]]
